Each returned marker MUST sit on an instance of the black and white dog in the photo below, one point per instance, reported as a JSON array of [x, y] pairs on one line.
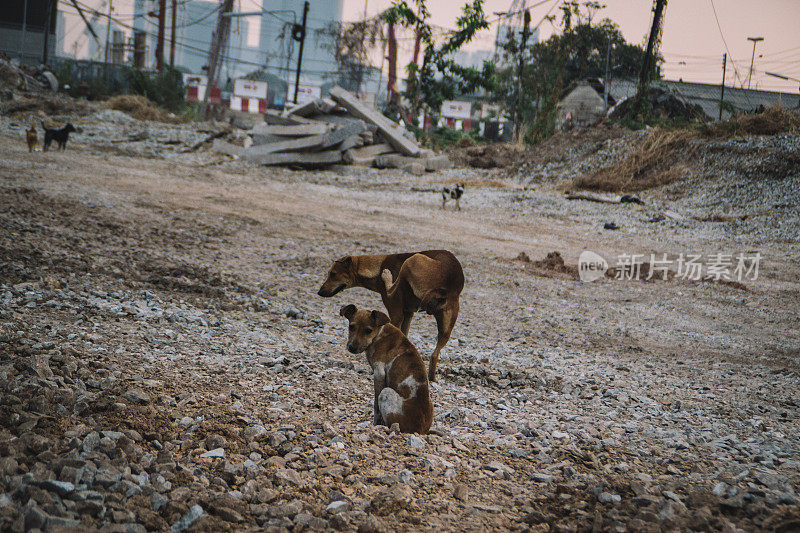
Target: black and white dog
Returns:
[[453, 193]]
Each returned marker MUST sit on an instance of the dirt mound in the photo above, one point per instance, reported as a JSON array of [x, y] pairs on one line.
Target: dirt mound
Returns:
[[486, 155], [45, 105], [650, 164], [552, 264], [664, 105], [771, 121], [140, 107], [562, 145]]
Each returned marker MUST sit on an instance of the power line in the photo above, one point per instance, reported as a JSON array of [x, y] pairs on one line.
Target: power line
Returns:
[[721, 34], [203, 52]]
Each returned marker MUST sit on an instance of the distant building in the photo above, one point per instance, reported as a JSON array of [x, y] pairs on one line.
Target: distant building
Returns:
[[196, 22], [472, 59], [22, 29], [278, 52], [275, 54], [581, 107]]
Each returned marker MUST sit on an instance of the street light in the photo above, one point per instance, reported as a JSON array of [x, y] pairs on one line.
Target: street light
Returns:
[[755, 42], [787, 78]]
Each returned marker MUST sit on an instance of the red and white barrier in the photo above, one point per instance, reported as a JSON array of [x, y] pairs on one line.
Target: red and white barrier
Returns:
[[196, 93], [248, 105]]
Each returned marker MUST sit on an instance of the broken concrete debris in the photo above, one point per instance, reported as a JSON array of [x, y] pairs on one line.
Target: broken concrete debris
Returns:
[[330, 131]]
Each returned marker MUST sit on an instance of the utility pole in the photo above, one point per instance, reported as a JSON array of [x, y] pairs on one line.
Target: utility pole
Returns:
[[108, 30], [722, 90], [521, 65], [24, 28], [755, 42], [48, 25], [162, 7], [608, 71], [655, 30], [299, 34], [172, 36], [219, 41]]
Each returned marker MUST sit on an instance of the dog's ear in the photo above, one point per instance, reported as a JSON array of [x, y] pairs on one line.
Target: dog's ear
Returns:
[[345, 261], [379, 319], [348, 311]]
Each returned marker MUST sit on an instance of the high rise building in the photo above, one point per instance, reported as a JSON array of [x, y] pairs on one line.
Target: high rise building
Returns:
[[278, 52]]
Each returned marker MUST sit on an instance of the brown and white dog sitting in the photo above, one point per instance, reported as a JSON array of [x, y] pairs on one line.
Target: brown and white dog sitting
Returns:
[[430, 281], [402, 395]]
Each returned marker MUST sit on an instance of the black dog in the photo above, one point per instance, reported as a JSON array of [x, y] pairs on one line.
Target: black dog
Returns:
[[61, 136], [453, 193], [631, 199]]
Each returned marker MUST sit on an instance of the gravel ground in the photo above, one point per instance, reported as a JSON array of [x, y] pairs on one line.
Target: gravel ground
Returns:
[[166, 362]]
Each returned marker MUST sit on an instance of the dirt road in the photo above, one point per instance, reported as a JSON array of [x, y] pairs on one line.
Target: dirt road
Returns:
[[177, 302]]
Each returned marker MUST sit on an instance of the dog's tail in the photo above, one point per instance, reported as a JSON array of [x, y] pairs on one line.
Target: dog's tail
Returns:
[[44, 127], [391, 286]]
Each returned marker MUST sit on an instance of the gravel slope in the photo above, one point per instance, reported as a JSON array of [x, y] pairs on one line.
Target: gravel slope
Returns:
[[166, 362]]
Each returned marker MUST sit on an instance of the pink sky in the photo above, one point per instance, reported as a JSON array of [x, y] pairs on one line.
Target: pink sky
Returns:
[[691, 45]]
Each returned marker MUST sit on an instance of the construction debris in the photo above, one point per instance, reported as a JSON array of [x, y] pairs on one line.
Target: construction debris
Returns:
[[328, 131]]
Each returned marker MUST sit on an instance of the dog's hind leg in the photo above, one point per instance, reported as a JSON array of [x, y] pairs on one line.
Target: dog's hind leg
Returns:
[[417, 272], [445, 321], [405, 324], [390, 405]]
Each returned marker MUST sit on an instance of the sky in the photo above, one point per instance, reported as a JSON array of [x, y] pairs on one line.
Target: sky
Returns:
[[692, 43]]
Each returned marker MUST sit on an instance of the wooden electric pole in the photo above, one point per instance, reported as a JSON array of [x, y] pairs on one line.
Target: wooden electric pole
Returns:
[[162, 7], [172, 36], [722, 89], [520, 66], [219, 41], [108, 32]]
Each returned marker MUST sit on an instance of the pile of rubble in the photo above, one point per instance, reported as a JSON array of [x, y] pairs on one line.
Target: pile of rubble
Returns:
[[665, 105], [334, 130], [14, 76]]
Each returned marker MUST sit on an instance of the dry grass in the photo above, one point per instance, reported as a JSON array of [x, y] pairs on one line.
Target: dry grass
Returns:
[[473, 183], [651, 163], [140, 108], [771, 121]]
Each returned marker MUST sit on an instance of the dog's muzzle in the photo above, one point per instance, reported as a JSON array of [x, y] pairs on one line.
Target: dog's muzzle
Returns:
[[352, 348], [327, 294]]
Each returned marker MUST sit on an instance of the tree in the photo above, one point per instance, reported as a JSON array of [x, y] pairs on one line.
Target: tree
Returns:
[[439, 78], [576, 53], [352, 44]]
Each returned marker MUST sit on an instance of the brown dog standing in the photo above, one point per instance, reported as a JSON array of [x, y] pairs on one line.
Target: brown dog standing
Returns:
[[31, 137], [430, 281], [398, 373]]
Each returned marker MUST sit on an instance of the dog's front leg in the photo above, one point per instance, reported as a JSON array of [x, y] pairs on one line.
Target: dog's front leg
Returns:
[[379, 382]]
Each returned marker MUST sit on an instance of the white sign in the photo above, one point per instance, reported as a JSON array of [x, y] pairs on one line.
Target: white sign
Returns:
[[305, 93], [250, 88], [456, 109], [194, 80]]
